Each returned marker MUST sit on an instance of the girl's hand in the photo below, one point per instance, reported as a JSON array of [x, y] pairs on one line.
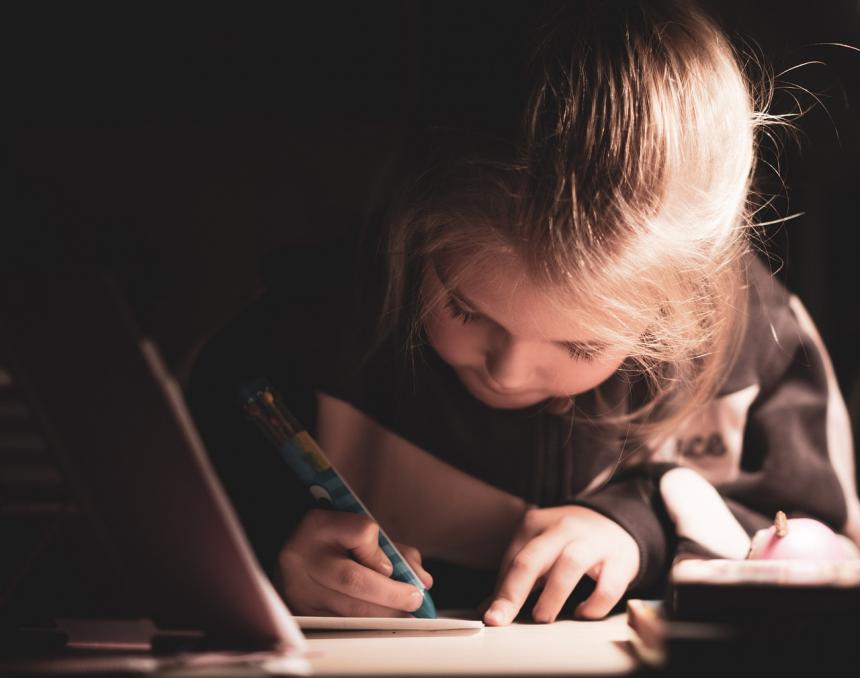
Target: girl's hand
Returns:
[[559, 546], [333, 566]]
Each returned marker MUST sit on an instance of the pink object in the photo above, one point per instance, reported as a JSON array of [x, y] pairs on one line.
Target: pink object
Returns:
[[797, 539]]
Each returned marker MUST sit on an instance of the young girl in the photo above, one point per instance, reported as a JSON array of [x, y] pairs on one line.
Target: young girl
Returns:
[[580, 368]]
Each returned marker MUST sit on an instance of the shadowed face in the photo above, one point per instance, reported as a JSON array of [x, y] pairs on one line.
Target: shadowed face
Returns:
[[508, 343]]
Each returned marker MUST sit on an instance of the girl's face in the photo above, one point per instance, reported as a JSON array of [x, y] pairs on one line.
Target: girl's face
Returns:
[[508, 344]]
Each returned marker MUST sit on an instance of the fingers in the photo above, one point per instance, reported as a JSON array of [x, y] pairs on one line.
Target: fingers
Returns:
[[360, 583], [314, 599], [529, 528], [333, 564], [615, 576], [304, 595], [556, 547], [413, 557], [573, 562], [516, 545], [342, 606], [355, 533], [526, 567]]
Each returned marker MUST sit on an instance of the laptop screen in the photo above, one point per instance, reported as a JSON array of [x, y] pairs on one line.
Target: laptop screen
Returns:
[[92, 424]]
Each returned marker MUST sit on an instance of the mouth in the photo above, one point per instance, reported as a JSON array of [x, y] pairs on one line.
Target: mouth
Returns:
[[482, 387], [507, 393]]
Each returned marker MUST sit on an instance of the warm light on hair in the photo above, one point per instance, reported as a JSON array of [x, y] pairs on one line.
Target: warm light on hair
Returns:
[[625, 197]]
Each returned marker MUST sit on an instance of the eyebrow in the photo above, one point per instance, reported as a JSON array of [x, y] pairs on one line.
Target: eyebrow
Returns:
[[586, 346]]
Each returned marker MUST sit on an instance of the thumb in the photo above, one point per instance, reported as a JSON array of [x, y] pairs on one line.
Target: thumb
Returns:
[[359, 535]]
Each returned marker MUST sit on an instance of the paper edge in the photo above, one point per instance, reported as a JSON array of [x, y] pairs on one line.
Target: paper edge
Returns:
[[385, 623]]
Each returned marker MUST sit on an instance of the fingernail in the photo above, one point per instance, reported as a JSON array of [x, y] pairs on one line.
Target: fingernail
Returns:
[[492, 617], [415, 599], [541, 617], [386, 566], [496, 615]]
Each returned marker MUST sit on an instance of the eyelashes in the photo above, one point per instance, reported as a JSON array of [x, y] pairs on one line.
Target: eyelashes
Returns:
[[459, 313], [574, 351]]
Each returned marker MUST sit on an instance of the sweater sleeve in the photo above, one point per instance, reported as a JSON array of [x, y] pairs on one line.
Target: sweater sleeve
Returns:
[[777, 437], [798, 454]]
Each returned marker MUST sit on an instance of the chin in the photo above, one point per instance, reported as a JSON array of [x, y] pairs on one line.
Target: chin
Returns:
[[497, 400], [502, 402]]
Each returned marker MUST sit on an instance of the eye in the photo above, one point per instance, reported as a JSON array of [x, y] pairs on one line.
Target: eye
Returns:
[[459, 313], [577, 352]]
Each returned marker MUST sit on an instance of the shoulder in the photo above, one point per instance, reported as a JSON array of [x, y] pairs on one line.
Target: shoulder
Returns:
[[776, 327]]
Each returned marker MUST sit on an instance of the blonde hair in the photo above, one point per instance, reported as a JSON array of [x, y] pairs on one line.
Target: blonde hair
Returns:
[[624, 196]]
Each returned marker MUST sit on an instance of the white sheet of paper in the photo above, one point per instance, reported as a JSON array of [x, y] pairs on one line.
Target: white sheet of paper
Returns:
[[386, 623]]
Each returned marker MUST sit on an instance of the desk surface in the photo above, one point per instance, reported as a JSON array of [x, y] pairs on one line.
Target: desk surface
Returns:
[[600, 648], [563, 648]]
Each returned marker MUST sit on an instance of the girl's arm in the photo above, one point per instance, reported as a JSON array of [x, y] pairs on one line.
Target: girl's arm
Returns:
[[417, 498], [798, 447], [797, 454]]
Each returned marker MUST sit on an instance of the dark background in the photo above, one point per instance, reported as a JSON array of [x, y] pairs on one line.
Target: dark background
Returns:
[[176, 145]]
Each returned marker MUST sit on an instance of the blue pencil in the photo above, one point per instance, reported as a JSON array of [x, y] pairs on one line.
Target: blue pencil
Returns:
[[300, 451]]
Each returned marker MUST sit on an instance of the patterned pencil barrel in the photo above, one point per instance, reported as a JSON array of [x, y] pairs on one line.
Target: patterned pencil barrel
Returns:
[[299, 450]]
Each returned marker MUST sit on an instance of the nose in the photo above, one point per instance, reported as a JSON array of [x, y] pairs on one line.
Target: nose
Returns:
[[510, 364]]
